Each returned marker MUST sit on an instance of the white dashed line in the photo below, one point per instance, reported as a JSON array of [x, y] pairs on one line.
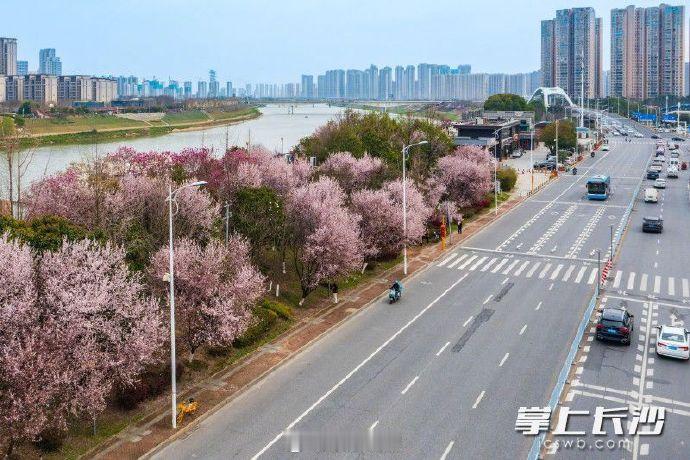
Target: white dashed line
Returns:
[[442, 348], [479, 398], [467, 322], [409, 385], [373, 425], [522, 331], [447, 451], [503, 360]]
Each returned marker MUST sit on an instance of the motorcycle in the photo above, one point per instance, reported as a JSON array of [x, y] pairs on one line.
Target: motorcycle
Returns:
[[592, 154], [393, 295], [574, 171]]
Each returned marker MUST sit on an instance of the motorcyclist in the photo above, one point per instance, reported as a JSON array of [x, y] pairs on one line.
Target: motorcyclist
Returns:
[[397, 287], [574, 170]]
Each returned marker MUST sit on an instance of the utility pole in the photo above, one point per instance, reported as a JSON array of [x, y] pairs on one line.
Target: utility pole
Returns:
[[582, 91]]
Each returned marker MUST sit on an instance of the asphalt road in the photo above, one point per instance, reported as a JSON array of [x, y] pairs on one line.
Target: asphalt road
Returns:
[[442, 373], [651, 279]]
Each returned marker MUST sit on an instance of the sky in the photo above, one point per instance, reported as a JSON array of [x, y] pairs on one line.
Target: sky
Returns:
[[276, 41]]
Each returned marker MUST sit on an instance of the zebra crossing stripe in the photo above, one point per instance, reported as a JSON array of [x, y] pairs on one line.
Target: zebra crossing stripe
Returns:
[[555, 273], [671, 286], [522, 267], [657, 284], [592, 276], [643, 282], [547, 267], [533, 269], [478, 263], [457, 261], [489, 264], [568, 272], [498, 267], [467, 262], [686, 289], [447, 259], [631, 280], [580, 274], [617, 279], [510, 267]]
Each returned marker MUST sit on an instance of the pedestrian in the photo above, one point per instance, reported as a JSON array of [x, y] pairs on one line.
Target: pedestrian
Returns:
[[460, 224], [334, 290]]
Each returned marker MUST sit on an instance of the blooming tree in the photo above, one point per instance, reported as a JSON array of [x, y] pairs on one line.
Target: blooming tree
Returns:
[[380, 223], [350, 172], [418, 212], [467, 175], [325, 234], [215, 288]]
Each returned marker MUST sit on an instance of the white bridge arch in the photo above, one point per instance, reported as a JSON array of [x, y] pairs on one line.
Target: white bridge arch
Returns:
[[547, 95]]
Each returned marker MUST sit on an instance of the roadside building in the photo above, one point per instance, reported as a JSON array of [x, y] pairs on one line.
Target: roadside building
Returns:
[[498, 136]]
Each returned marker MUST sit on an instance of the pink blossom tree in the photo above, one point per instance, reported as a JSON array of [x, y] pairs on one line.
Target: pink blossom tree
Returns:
[[418, 212], [467, 175], [352, 173], [380, 223], [215, 288], [325, 234]]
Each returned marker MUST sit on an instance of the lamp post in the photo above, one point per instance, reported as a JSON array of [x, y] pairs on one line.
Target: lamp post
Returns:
[[405, 149], [496, 157], [171, 280], [611, 246]]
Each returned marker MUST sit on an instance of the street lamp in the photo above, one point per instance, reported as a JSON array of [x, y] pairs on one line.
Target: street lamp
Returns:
[[171, 280], [405, 149]]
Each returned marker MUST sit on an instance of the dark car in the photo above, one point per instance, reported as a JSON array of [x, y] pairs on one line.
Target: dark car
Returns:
[[651, 174], [624, 133], [678, 139], [651, 224], [655, 136], [615, 324]]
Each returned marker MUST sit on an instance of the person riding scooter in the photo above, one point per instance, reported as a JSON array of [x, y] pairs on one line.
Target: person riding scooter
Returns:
[[574, 170], [395, 291]]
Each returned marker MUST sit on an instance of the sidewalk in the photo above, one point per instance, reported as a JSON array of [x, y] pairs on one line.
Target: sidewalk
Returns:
[[144, 437]]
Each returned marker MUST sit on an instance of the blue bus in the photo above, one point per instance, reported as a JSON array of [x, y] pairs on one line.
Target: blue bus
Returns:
[[598, 187]]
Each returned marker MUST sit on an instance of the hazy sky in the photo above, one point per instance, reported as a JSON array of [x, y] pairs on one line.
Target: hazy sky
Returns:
[[278, 40]]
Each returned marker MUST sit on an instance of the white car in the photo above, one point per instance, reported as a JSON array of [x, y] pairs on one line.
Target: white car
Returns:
[[673, 342], [660, 183], [604, 148], [651, 195], [672, 172], [639, 135]]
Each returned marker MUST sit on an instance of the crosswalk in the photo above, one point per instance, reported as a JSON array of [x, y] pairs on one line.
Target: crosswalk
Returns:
[[561, 270]]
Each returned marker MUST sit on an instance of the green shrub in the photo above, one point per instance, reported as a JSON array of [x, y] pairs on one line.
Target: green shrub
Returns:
[[266, 320], [283, 311], [508, 177]]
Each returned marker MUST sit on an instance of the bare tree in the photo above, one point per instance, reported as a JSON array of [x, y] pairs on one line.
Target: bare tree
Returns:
[[18, 149]]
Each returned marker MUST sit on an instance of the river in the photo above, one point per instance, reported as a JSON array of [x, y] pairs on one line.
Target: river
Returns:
[[278, 128]]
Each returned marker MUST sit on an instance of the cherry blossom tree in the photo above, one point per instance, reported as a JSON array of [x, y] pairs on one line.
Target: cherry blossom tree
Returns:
[[467, 175], [352, 173], [380, 223], [325, 234], [215, 288], [418, 212]]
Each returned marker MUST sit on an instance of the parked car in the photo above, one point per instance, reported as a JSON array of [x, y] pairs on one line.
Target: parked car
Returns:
[[516, 154], [639, 135], [677, 139], [651, 174], [651, 195], [605, 148], [673, 342], [615, 324], [652, 224], [655, 136], [660, 183]]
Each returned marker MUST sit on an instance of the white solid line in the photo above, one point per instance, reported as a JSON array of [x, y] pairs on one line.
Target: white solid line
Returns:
[[505, 280], [522, 267], [468, 321], [555, 273], [478, 263], [617, 279], [547, 267], [631, 280], [643, 282], [503, 360], [580, 274], [447, 259], [457, 261], [487, 299], [533, 269], [467, 262], [409, 385], [373, 425], [447, 451], [357, 368], [522, 331], [657, 284], [498, 267], [442, 348], [538, 306], [510, 267], [686, 289], [479, 398], [592, 276], [671, 285]]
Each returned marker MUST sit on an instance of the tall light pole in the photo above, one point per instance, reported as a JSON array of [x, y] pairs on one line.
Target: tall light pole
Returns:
[[171, 280], [405, 149]]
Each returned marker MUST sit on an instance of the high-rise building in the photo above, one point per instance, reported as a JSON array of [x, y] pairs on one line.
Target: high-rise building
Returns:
[[8, 56], [48, 62], [647, 50], [424, 76], [213, 84], [201, 89], [386, 84], [465, 69], [496, 84], [409, 82], [687, 78], [229, 90], [307, 87], [398, 85], [571, 52], [22, 67]]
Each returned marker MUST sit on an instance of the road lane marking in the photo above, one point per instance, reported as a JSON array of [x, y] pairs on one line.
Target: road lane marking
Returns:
[[458, 260], [671, 285], [551, 287], [489, 264], [657, 284], [442, 348], [447, 259], [447, 451], [643, 282], [580, 274], [468, 321], [631, 281], [409, 385], [533, 269], [373, 425], [498, 267], [686, 289], [546, 268], [555, 273], [538, 306], [467, 262], [510, 267], [617, 279], [568, 272], [478, 263], [592, 276], [503, 360], [505, 280], [522, 331], [487, 299], [522, 267], [357, 368], [479, 398]]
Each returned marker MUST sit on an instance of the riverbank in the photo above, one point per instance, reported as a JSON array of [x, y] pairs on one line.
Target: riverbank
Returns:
[[167, 125]]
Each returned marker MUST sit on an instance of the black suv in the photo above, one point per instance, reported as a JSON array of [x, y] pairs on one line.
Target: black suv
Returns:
[[653, 175], [615, 324], [678, 139], [652, 224]]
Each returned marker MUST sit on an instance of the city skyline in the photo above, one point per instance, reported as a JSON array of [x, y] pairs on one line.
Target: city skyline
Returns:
[[260, 33]]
